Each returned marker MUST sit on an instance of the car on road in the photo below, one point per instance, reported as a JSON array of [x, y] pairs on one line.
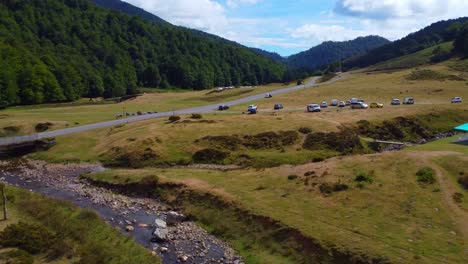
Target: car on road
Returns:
[[334, 102], [252, 109], [324, 105], [268, 95], [360, 105], [341, 104], [395, 102], [456, 100], [223, 107], [408, 100], [278, 107], [376, 105], [313, 108]]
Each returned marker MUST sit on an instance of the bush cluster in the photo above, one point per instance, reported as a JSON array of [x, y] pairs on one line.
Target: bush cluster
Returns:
[[174, 118], [345, 141], [426, 175], [209, 156], [32, 238]]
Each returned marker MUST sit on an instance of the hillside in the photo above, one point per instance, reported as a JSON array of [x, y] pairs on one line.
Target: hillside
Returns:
[[62, 50], [433, 54], [329, 52], [434, 34], [129, 9]]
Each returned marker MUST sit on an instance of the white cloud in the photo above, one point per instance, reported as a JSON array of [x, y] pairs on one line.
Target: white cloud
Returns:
[[237, 3], [391, 9], [207, 15]]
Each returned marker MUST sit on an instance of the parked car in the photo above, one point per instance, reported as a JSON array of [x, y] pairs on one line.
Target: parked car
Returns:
[[252, 109], [408, 100], [223, 107], [313, 108], [359, 105], [376, 105], [334, 102], [456, 100], [278, 107], [348, 103], [353, 101], [268, 95], [324, 105], [341, 104], [395, 102]]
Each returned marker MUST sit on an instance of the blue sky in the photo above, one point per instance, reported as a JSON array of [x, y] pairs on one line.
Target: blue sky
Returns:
[[288, 27]]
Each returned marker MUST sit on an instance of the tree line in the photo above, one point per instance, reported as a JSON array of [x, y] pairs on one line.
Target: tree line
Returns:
[[61, 50]]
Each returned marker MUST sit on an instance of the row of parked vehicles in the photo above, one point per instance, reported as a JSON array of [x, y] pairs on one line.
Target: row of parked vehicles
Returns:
[[354, 103]]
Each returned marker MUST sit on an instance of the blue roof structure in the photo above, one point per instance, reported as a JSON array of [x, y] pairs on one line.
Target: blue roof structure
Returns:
[[463, 128]]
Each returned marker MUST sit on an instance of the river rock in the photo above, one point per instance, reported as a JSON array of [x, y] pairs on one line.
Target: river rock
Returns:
[[129, 228], [173, 218], [160, 234], [184, 258], [159, 223]]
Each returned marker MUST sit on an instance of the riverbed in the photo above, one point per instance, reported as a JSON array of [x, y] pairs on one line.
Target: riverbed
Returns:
[[186, 242]]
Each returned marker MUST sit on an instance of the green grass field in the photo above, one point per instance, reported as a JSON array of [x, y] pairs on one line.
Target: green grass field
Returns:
[[84, 112]]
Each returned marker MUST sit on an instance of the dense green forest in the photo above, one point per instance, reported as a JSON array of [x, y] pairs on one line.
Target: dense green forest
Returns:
[[461, 40], [59, 50], [434, 34], [330, 51]]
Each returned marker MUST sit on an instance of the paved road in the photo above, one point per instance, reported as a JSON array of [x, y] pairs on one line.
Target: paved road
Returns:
[[200, 110]]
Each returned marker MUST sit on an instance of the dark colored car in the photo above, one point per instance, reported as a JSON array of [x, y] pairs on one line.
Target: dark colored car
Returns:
[[223, 107], [278, 107]]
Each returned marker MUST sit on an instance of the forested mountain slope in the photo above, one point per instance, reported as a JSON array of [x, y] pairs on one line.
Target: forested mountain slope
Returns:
[[432, 35], [330, 51], [56, 50]]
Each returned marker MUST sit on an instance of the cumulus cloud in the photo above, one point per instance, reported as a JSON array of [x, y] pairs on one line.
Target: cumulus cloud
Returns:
[[207, 15], [237, 3], [391, 9]]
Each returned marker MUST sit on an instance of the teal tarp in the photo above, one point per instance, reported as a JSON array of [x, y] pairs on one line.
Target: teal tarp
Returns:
[[463, 128]]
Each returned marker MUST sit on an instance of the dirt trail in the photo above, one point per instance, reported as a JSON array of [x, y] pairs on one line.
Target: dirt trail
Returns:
[[459, 215]]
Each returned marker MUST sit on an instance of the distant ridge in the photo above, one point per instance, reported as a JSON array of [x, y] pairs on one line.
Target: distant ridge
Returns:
[[331, 51], [430, 36]]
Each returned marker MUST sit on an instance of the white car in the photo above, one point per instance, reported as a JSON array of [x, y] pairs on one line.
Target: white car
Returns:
[[456, 100], [324, 105], [313, 108], [395, 102], [334, 102], [360, 105]]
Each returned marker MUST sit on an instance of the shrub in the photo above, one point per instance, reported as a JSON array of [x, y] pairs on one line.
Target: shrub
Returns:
[[363, 177], [292, 177], [41, 127], [210, 156], [345, 141], [426, 175], [463, 181], [196, 116], [329, 188], [34, 239], [174, 118], [458, 197], [305, 130], [309, 173]]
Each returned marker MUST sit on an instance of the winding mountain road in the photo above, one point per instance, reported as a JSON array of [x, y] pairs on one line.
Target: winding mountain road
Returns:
[[200, 110]]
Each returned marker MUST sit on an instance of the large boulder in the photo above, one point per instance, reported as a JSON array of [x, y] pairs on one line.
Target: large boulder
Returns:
[[173, 218], [160, 234], [159, 223]]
